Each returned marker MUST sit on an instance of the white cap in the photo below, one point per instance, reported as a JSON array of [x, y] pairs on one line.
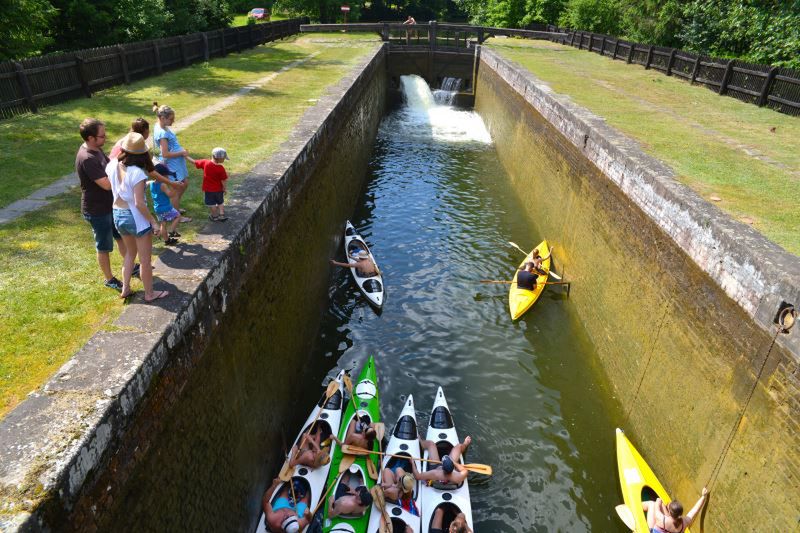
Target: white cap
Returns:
[[219, 153], [290, 525]]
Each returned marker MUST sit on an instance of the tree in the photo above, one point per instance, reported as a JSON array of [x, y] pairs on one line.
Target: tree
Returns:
[[600, 16], [24, 24], [139, 20], [543, 11], [653, 21]]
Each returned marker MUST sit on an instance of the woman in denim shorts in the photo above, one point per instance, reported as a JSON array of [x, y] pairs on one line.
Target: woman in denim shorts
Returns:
[[132, 219]]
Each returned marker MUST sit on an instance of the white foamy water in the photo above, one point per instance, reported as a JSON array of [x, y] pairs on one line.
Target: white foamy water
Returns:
[[422, 116]]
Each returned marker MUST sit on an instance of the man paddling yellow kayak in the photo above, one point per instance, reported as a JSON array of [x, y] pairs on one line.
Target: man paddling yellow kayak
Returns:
[[529, 280]]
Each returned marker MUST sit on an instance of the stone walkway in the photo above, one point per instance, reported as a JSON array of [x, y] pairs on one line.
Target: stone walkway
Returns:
[[41, 197]]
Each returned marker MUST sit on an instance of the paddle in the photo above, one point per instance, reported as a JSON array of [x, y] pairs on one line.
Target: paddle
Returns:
[[287, 471], [506, 281], [291, 485], [477, 468], [380, 431], [380, 503], [625, 514], [346, 463], [515, 245]]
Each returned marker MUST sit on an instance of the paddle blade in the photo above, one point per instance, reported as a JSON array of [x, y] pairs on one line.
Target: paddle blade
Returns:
[[333, 386], [555, 276], [355, 450], [348, 384], [380, 503], [380, 430], [371, 470], [286, 472], [625, 514], [478, 468], [347, 462], [517, 246]]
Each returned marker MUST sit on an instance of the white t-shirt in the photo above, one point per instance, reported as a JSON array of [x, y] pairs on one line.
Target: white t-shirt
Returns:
[[124, 189]]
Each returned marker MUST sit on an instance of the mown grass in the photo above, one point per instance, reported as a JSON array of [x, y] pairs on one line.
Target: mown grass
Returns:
[[51, 296], [741, 157]]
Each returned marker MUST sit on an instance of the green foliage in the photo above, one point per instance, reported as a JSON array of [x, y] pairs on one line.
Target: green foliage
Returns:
[[543, 11], [24, 24], [191, 16], [652, 21], [600, 16], [139, 20]]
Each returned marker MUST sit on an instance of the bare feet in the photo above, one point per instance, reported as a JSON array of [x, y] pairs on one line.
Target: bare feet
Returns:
[[156, 296], [465, 445]]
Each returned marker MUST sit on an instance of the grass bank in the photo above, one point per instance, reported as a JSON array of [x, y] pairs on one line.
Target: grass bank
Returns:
[[51, 296], [738, 156]]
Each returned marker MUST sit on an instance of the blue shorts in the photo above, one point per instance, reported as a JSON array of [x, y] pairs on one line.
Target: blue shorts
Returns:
[[168, 216], [104, 231], [126, 225], [215, 198]]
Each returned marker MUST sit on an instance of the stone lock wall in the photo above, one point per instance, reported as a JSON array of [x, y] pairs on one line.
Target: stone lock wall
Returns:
[[680, 337], [172, 420]]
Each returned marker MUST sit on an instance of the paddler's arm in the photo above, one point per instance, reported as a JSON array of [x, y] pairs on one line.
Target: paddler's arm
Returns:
[[691, 515], [337, 263], [266, 501]]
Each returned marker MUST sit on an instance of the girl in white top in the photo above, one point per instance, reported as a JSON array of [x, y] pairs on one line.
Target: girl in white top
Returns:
[[131, 216]]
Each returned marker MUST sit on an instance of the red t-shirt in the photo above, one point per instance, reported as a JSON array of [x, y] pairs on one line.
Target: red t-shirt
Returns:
[[213, 175]]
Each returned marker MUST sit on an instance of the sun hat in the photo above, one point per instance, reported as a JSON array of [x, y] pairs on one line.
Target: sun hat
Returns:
[[408, 482], [133, 143], [290, 525], [219, 153]]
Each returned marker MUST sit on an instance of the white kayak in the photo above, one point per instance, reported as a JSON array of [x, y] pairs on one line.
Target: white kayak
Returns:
[[313, 479], [403, 441], [451, 499], [372, 286]]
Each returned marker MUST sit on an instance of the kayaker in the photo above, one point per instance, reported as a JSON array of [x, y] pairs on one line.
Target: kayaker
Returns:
[[312, 454], [399, 488], [349, 502], [458, 525], [284, 516], [359, 433], [667, 518], [450, 471], [538, 260], [363, 264], [527, 276]]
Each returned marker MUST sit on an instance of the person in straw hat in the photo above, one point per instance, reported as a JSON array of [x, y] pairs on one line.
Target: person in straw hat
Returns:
[[128, 174]]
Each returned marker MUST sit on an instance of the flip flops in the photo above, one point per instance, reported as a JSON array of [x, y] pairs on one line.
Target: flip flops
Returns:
[[158, 296]]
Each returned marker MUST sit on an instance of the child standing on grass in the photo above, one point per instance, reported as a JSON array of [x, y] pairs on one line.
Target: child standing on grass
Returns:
[[170, 152], [162, 205], [214, 177]]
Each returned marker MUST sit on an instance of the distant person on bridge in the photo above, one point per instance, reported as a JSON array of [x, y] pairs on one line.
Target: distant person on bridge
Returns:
[[410, 20], [667, 518]]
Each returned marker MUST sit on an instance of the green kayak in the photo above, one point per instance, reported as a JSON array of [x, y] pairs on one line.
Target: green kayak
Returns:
[[365, 391]]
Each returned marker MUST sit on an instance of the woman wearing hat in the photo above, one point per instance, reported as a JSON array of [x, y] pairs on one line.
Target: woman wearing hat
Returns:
[[132, 219], [398, 486]]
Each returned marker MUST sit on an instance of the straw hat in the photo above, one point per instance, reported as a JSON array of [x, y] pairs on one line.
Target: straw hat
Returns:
[[133, 143]]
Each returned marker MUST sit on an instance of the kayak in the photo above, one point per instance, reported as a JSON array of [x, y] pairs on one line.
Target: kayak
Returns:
[[404, 441], [638, 482], [372, 286], [520, 300], [328, 416], [451, 499], [365, 392]]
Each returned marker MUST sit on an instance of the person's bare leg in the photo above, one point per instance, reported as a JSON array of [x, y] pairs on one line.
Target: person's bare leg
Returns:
[[144, 247], [127, 264], [104, 261], [433, 451], [460, 449]]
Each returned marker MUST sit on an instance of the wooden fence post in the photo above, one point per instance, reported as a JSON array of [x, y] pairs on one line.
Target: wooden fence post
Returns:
[[572, 39], [222, 40], [671, 62], [250, 35], [616, 47], [695, 70], [603, 47], [762, 100], [184, 56], [580, 42], [481, 38], [385, 32], [123, 63], [591, 41], [22, 78], [631, 47], [206, 51], [157, 57], [431, 34], [726, 78], [83, 76], [649, 57]]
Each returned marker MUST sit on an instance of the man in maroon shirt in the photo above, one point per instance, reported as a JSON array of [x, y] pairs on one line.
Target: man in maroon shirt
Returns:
[[96, 197]]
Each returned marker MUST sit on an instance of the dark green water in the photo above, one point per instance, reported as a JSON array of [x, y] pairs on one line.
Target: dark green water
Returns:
[[438, 212]]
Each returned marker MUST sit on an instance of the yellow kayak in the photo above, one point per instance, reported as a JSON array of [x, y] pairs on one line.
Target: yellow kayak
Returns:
[[638, 482], [520, 300]]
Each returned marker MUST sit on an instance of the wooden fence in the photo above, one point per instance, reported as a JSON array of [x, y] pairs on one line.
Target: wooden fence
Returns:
[[31, 83], [763, 85]]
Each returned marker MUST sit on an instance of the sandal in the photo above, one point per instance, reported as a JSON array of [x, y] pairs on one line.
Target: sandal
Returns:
[[212, 218], [221, 218], [172, 241], [158, 296]]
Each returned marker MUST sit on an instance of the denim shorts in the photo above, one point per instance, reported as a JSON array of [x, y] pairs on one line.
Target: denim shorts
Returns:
[[215, 198], [125, 223], [104, 231]]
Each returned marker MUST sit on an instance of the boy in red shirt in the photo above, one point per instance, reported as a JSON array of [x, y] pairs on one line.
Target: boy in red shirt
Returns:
[[214, 177]]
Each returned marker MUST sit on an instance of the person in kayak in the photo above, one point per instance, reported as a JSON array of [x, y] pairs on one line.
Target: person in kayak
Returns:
[[312, 454], [359, 433], [349, 502], [283, 515], [363, 264], [450, 471], [538, 260], [527, 276], [667, 518], [399, 488], [458, 525]]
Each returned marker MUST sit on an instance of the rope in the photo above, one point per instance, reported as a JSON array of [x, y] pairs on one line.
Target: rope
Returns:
[[721, 460], [649, 358]]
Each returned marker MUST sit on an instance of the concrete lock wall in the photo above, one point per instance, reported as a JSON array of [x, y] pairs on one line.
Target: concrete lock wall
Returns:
[[173, 420], [677, 298]]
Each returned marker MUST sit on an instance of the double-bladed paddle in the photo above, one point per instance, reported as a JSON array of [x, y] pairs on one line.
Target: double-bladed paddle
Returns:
[[477, 468], [626, 516], [348, 383]]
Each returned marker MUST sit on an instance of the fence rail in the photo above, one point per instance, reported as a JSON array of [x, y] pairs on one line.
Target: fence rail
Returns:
[[763, 85], [31, 83]]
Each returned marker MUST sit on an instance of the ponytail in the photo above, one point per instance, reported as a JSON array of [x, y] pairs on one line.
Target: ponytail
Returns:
[[162, 111]]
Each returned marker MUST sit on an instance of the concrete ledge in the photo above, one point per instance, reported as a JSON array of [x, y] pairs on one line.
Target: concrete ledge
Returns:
[[755, 272], [58, 440]]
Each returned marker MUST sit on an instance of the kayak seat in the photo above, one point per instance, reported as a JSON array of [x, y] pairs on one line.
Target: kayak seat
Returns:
[[400, 462], [350, 231], [372, 285], [441, 418], [406, 428]]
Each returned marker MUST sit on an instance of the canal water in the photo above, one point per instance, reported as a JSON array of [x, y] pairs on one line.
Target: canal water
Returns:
[[438, 212]]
